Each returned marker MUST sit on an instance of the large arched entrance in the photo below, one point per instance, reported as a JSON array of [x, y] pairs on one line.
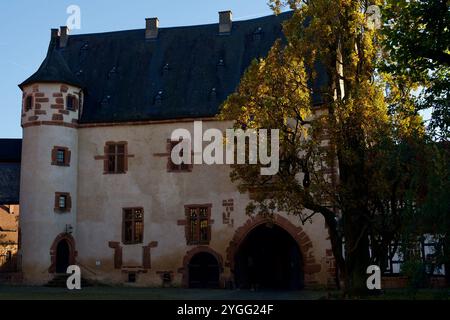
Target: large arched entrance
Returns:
[[269, 258], [203, 271]]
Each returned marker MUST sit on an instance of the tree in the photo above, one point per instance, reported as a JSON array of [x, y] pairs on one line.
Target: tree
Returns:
[[417, 36], [334, 159]]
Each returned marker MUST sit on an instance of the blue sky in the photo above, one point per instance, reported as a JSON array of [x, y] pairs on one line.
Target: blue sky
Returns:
[[25, 33]]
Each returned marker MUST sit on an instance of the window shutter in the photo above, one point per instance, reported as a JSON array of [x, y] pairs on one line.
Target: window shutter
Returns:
[[68, 202], [106, 160], [68, 155], [76, 103], [54, 151], [56, 201], [125, 157]]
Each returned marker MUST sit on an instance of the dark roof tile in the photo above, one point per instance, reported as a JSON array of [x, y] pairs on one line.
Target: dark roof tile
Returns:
[[123, 73], [9, 183]]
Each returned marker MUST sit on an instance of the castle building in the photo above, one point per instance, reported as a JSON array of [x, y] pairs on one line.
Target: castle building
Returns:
[[98, 188]]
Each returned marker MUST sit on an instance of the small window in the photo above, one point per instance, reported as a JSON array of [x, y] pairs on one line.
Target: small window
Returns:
[[172, 167], [71, 103], [199, 224], [133, 226], [63, 202], [116, 158], [61, 156], [28, 103]]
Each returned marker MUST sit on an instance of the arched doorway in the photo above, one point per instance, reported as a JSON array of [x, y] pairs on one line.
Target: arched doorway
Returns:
[[62, 256], [203, 271], [269, 258], [62, 253]]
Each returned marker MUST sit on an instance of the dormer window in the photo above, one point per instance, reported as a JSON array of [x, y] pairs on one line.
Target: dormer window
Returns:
[[105, 100], [28, 103], [213, 94], [112, 72], [84, 51], [166, 69], [257, 34], [159, 97], [221, 62]]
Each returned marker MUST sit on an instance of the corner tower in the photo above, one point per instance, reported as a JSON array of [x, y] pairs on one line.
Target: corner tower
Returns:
[[51, 102]]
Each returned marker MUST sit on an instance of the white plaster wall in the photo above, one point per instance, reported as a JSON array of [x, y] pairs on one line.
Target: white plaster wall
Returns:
[[163, 196], [40, 225], [45, 112]]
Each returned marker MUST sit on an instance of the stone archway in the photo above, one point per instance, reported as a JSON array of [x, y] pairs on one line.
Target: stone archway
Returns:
[[309, 268], [63, 244], [195, 252]]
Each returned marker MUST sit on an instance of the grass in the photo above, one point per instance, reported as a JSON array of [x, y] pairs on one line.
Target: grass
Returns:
[[132, 293]]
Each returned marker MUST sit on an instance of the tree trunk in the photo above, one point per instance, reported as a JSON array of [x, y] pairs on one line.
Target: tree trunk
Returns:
[[356, 254]]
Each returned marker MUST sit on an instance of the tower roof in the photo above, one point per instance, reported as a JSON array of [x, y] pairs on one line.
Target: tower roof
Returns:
[[53, 69]]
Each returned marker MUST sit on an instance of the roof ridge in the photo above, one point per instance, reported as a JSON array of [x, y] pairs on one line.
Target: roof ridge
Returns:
[[286, 13]]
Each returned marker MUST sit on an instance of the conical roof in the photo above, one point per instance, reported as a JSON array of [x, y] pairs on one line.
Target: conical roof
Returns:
[[53, 69]]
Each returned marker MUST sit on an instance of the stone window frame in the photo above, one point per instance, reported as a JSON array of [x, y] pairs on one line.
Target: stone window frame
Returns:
[[68, 202], [29, 107], [171, 167], [134, 240], [107, 154], [67, 156], [74, 102], [190, 240]]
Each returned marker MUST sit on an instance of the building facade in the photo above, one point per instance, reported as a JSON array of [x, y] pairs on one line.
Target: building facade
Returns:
[[98, 188]]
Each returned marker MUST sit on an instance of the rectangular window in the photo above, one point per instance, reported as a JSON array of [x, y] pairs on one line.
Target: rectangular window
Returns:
[[116, 158], [198, 224], [28, 103], [133, 225], [61, 156], [172, 167], [71, 103], [63, 202]]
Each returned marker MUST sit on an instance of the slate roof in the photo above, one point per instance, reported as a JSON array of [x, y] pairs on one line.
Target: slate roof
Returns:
[[10, 150], [10, 154], [186, 73]]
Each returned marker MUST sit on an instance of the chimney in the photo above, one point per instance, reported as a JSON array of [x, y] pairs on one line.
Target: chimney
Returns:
[[54, 36], [151, 28], [225, 22], [63, 36]]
